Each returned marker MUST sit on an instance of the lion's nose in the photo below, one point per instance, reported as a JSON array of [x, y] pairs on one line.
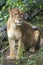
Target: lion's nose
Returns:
[[20, 19]]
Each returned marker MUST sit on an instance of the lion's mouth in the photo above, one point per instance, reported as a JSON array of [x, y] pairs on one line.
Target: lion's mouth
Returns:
[[18, 23]]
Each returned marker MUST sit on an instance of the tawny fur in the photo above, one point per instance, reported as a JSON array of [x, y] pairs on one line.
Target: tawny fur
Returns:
[[20, 32]]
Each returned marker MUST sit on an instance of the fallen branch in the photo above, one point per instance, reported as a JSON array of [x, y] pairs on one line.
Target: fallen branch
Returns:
[[29, 18], [34, 14]]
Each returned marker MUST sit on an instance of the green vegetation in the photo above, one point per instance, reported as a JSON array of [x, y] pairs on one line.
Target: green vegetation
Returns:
[[36, 59], [29, 6]]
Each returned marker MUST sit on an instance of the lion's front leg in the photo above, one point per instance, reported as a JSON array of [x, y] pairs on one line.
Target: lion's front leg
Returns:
[[12, 48], [20, 49]]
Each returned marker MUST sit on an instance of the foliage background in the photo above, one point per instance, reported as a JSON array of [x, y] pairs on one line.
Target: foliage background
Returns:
[[29, 6]]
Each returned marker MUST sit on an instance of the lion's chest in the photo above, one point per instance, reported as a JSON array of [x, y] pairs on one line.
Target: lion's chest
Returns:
[[13, 33]]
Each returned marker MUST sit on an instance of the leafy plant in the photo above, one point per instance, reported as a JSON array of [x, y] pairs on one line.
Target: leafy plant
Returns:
[[36, 59]]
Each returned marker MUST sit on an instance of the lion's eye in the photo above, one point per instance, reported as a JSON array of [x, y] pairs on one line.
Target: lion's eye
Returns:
[[22, 15], [15, 14]]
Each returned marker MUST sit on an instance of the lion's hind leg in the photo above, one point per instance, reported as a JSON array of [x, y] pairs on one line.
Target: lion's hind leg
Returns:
[[37, 39]]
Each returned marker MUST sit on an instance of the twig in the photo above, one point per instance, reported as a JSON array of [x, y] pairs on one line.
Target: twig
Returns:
[[3, 50]]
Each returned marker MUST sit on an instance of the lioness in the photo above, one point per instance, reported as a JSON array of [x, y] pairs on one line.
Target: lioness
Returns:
[[20, 33]]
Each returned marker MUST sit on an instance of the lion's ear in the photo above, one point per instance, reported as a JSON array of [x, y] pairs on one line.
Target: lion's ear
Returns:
[[21, 12], [10, 10]]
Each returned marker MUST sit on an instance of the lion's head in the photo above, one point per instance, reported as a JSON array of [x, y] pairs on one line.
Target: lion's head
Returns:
[[16, 16]]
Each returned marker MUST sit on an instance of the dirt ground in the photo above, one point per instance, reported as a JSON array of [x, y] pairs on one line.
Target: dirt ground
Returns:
[[18, 62]]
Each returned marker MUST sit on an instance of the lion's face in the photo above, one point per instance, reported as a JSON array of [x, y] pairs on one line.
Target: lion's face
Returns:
[[16, 16]]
